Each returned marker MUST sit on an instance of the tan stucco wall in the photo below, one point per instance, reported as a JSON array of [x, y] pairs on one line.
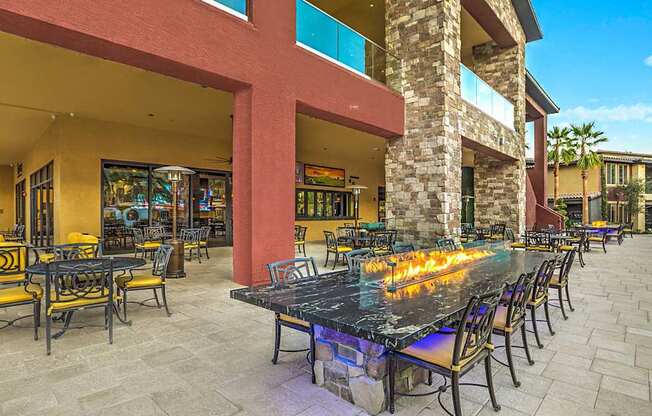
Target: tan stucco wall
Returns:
[[7, 218], [78, 145], [570, 180]]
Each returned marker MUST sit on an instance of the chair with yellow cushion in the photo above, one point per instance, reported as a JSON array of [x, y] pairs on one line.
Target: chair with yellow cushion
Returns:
[[75, 285], [381, 243], [27, 294], [510, 317], [334, 246], [146, 279], [577, 243], [142, 246], [14, 257], [599, 238], [191, 242], [539, 297], [559, 281], [497, 232], [87, 246], [204, 235], [283, 274], [452, 353]]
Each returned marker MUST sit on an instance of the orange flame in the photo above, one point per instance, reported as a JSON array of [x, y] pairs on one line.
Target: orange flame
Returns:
[[420, 264]]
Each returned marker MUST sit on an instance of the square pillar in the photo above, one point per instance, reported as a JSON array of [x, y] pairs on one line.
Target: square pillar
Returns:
[[263, 182], [423, 168], [539, 175]]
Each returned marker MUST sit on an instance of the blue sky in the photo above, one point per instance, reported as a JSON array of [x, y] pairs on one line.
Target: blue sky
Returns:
[[592, 61]]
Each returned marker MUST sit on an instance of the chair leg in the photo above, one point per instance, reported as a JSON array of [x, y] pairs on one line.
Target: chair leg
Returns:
[[604, 246], [48, 332], [312, 354], [526, 347], [561, 303], [337, 259], [455, 385], [165, 300], [533, 314], [37, 318], [490, 383], [109, 313], [158, 304], [548, 321], [429, 382], [124, 304], [206, 249], [277, 340], [392, 386], [327, 255], [510, 359], [570, 305]]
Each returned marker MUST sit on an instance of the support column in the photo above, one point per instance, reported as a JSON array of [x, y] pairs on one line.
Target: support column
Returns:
[[540, 174], [263, 182], [423, 168]]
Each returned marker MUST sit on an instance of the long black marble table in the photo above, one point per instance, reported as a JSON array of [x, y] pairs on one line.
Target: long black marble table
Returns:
[[348, 304]]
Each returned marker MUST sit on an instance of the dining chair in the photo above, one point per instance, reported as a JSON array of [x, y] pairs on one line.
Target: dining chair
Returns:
[[578, 244], [453, 352], [559, 281], [190, 238], [629, 229], [399, 248], [283, 274], [204, 236], [146, 279], [381, 243], [75, 285], [333, 246], [539, 297], [599, 238], [447, 245], [497, 232], [510, 317], [141, 245], [355, 257]]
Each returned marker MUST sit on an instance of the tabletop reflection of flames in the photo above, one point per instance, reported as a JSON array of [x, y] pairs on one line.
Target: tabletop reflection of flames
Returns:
[[420, 264]]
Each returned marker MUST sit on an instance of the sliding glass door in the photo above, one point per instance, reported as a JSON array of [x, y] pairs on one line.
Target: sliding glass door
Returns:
[[41, 222]]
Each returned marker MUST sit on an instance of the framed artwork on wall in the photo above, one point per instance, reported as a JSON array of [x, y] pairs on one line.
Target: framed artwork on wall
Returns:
[[324, 176]]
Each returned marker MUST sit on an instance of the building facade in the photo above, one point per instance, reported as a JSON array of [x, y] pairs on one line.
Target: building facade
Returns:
[[278, 107]]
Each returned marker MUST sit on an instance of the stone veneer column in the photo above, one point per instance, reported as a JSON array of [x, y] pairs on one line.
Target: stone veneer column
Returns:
[[423, 168]]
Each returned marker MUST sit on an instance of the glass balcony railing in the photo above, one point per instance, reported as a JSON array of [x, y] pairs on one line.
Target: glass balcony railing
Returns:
[[481, 95], [324, 35], [236, 7]]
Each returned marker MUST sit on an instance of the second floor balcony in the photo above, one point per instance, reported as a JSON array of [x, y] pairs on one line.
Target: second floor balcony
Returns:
[[324, 35], [477, 92]]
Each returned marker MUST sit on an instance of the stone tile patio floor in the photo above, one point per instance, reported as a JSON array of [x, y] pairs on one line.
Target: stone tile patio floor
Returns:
[[212, 357]]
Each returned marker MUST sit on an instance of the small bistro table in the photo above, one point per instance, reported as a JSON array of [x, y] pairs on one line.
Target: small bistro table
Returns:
[[358, 321]]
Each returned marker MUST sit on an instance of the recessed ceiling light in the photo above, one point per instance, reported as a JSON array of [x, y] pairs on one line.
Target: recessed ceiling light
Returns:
[[377, 149], [150, 115]]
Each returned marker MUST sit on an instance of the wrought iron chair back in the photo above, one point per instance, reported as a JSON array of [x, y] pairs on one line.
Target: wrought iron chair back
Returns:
[[82, 279], [191, 235], [161, 260], [331, 241], [521, 293], [399, 248], [74, 251], [566, 264], [498, 230], [542, 279], [382, 241], [474, 332], [13, 259], [139, 235], [300, 233], [509, 234], [345, 232], [154, 233], [355, 257], [446, 244], [284, 272]]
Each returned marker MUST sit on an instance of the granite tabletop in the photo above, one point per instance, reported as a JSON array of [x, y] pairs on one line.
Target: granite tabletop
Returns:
[[346, 303]]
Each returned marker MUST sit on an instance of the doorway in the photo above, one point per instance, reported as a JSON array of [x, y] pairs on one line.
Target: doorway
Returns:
[[41, 206], [211, 206]]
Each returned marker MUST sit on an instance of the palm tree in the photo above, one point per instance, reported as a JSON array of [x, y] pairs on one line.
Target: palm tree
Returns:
[[586, 139], [561, 149]]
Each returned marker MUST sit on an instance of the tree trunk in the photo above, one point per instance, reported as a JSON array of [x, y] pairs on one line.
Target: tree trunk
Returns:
[[585, 197], [556, 190]]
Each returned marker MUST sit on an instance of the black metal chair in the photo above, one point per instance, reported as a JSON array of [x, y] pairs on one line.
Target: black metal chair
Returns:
[[453, 353], [447, 245], [577, 243], [191, 238], [75, 285], [17, 235], [204, 235], [284, 273], [599, 238], [381, 243], [629, 229], [154, 280], [354, 257], [141, 245], [510, 317], [539, 297], [16, 288], [559, 281], [497, 232], [334, 246], [300, 239], [399, 248]]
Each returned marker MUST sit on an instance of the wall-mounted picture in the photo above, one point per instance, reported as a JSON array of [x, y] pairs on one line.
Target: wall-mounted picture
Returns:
[[324, 176], [298, 172]]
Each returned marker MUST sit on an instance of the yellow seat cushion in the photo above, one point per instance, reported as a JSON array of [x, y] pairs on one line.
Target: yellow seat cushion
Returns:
[[138, 281], [298, 242], [437, 349], [148, 245], [344, 249], [72, 302], [20, 294], [191, 245], [566, 248], [500, 319], [46, 257], [597, 239], [538, 301], [203, 243], [554, 282], [539, 248], [518, 245], [293, 320], [12, 278]]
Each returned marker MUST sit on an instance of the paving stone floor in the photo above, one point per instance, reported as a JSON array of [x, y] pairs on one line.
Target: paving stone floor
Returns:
[[212, 357]]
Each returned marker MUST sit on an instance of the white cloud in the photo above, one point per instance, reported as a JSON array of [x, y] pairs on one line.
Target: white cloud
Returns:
[[634, 112], [648, 61]]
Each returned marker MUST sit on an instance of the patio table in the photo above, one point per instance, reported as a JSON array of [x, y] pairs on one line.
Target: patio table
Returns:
[[345, 303]]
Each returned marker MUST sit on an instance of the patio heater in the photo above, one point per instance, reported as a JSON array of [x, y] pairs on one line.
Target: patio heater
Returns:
[[175, 174], [356, 189]]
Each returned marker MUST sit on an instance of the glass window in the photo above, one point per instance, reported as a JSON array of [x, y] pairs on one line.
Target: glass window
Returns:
[[301, 204], [323, 204], [310, 197], [611, 174]]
